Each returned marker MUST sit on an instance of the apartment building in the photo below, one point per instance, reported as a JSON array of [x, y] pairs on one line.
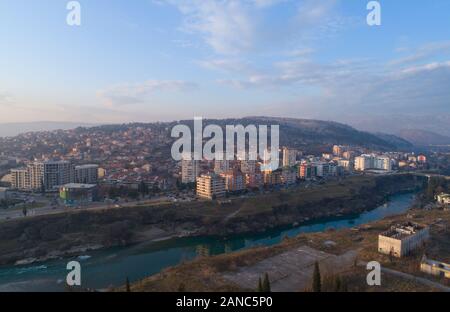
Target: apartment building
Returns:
[[43, 174], [211, 186], [289, 157], [86, 174], [366, 162], [234, 181], [190, 170], [20, 179]]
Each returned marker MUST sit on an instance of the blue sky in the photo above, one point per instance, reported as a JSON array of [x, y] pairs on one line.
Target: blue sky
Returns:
[[147, 60]]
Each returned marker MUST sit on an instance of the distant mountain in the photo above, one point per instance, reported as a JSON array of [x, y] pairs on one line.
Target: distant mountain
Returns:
[[423, 137], [13, 129]]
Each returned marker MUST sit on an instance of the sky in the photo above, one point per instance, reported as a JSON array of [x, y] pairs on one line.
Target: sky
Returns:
[[150, 60]]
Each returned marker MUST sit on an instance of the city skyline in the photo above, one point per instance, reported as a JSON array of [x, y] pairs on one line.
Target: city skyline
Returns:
[[169, 60]]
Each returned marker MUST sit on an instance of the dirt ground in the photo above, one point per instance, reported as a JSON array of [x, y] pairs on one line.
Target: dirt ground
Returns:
[[291, 270]]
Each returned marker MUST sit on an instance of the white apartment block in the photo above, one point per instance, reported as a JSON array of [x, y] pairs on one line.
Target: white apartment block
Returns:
[[190, 170], [211, 186], [365, 162], [20, 179], [402, 239], [47, 174]]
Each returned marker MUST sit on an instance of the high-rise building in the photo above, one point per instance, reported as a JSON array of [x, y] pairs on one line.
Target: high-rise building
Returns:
[[86, 174], [289, 157], [20, 179], [190, 170], [211, 186]]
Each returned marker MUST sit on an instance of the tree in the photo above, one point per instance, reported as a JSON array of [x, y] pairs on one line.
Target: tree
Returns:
[[317, 283], [260, 287], [24, 211], [266, 283], [127, 283], [337, 284]]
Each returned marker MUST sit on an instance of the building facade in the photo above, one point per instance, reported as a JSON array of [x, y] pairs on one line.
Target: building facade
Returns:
[[86, 174], [402, 239], [190, 170], [211, 186]]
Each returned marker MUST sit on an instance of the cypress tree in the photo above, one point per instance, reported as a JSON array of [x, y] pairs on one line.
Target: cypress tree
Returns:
[[266, 283], [316, 284], [260, 287], [127, 283]]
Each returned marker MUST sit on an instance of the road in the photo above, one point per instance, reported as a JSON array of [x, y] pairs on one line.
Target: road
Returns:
[[48, 210]]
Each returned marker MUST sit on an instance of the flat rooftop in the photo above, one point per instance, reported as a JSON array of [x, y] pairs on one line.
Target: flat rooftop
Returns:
[[404, 230], [79, 186]]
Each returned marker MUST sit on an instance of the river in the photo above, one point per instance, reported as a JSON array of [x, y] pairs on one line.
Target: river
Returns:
[[111, 267]]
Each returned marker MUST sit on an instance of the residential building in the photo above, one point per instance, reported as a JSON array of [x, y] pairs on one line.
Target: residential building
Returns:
[[288, 177], [365, 162], [86, 174], [190, 170], [43, 174], [234, 181], [289, 157], [253, 180], [402, 239], [221, 166], [306, 171], [272, 178], [211, 186], [20, 179]]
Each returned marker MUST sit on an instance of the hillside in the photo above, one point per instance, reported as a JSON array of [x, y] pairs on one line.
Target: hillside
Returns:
[[424, 138], [13, 129], [316, 134]]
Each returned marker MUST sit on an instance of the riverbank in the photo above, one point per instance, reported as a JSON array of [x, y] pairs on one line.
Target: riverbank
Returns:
[[65, 235], [109, 267], [290, 263]]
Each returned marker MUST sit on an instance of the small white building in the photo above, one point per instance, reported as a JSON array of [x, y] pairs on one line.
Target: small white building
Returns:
[[402, 239]]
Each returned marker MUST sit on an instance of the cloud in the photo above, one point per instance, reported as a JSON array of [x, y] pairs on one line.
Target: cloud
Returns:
[[232, 27], [423, 53], [128, 94]]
